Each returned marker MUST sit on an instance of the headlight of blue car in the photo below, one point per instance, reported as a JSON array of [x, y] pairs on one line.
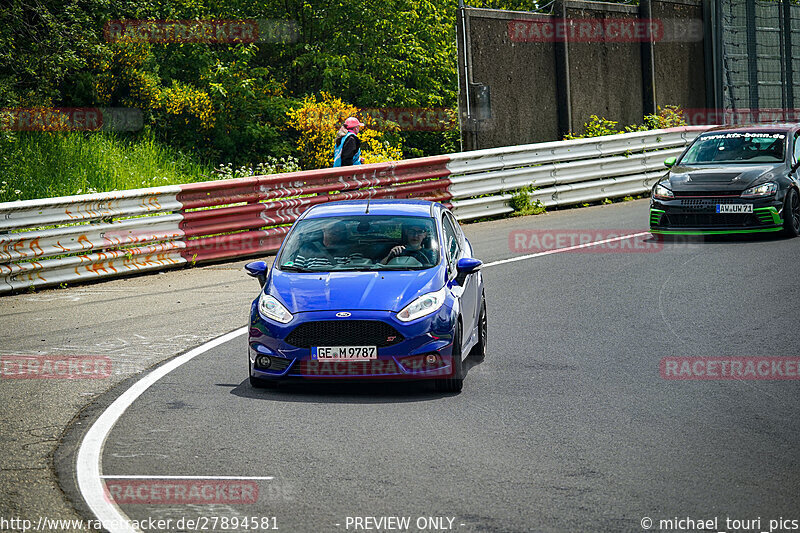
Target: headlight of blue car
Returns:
[[422, 306], [271, 308]]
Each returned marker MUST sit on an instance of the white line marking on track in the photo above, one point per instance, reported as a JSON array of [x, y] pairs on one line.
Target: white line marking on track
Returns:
[[90, 454], [203, 478]]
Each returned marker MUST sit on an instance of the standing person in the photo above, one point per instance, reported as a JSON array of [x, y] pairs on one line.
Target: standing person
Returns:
[[347, 148]]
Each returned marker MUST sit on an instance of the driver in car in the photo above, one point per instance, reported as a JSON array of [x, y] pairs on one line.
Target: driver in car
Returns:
[[334, 249], [415, 237]]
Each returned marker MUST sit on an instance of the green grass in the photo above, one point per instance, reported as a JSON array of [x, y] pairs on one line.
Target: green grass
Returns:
[[42, 165]]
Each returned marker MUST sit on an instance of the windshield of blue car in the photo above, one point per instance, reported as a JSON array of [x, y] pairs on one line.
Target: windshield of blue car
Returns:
[[358, 243], [736, 148]]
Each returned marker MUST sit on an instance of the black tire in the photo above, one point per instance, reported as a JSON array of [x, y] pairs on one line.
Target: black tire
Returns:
[[479, 350], [791, 214], [456, 381]]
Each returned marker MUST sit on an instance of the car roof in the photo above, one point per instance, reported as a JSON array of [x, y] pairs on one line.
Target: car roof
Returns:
[[775, 126], [418, 208]]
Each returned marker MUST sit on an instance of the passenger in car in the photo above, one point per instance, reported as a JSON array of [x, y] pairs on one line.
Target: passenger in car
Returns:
[[335, 248]]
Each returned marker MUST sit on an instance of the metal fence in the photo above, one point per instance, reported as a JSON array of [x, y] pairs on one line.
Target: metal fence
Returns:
[[79, 238], [757, 49]]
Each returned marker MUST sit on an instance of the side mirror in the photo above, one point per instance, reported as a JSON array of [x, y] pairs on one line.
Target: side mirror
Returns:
[[670, 162], [258, 269], [465, 267], [796, 166]]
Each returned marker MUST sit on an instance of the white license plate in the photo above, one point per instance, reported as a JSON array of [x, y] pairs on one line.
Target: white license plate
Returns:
[[734, 208], [344, 353]]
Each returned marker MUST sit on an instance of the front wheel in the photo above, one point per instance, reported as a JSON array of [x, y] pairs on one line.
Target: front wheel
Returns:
[[456, 381], [791, 214], [479, 350]]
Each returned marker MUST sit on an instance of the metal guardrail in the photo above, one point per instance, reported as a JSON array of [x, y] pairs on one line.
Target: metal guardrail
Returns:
[[566, 172], [77, 238]]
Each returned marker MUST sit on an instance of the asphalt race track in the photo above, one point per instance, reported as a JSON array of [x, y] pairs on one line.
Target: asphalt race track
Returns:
[[567, 425]]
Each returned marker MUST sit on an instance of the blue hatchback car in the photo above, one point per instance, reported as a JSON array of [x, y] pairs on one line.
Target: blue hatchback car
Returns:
[[385, 289]]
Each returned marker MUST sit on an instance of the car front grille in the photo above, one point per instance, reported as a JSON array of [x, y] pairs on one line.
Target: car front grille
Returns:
[[705, 203], [718, 196], [315, 368], [700, 220], [344, 333]]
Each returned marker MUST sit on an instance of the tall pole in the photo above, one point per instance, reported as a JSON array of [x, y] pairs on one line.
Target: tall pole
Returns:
[[648, 60], [563, 100]]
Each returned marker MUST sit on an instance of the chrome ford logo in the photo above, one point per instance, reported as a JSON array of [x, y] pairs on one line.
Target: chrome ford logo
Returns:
[[343, 314]]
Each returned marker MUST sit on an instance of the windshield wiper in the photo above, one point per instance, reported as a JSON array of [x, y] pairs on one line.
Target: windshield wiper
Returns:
[[295, 268], [404, 267]]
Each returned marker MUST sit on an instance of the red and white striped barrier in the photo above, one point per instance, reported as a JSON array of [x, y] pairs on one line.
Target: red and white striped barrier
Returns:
[[118, 233]]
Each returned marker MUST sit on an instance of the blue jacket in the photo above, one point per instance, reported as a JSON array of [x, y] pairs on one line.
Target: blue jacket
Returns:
[[339, 148]]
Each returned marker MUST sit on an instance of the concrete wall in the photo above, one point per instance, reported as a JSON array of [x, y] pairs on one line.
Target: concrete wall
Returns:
[[521, 79], [680, 62], [604, 78]]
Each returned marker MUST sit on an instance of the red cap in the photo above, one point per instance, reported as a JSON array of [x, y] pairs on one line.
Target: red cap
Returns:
[[352, 123]]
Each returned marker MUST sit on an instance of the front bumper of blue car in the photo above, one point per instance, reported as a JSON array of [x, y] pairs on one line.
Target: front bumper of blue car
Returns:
[[420, 349]]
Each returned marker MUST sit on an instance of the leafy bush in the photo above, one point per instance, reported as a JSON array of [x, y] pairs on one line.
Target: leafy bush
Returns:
[[667, 117], [522, 204], [596, 127]]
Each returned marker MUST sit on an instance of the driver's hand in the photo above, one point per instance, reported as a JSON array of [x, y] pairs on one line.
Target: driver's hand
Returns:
[[394, 252]]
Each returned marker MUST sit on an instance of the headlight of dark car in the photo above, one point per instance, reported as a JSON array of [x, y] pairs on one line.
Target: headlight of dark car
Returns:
[[661, 192], [765, 189]]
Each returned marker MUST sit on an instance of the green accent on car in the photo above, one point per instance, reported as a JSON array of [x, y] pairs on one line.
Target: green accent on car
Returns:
[[655, 216], [768, 215], [713, 232], [670, 161]]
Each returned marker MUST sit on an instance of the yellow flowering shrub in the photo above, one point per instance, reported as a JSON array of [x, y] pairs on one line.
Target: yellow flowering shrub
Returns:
[[126, 77], [317, 121], [187, 101]]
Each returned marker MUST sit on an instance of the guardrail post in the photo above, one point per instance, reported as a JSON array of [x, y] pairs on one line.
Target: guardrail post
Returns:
[[648, 61], [752, 59], [786, 60], [563, 95]]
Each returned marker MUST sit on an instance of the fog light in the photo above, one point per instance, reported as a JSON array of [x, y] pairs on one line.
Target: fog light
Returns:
[[263, 361], [432, 359]]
